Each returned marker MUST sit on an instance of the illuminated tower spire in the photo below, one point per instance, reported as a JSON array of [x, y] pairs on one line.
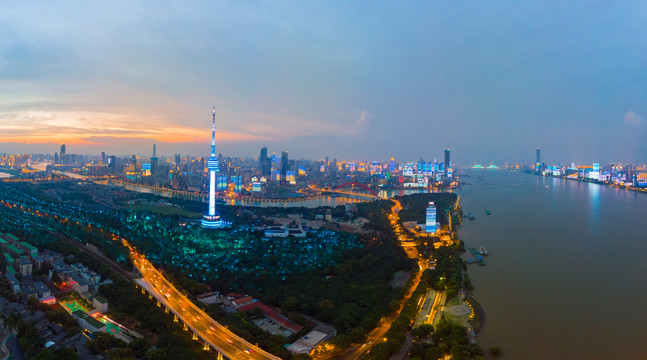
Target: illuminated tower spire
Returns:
[[213, 134], [212, 217]]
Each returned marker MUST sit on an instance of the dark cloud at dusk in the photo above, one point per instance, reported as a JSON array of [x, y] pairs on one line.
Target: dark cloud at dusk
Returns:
[[352, 80]]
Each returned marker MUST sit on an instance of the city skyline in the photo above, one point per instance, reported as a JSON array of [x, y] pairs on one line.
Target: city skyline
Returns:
[[422, 180], [327, 80]]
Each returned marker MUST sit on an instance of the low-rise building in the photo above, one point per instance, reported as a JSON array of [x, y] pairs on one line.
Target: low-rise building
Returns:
[[273, 314], [88, 323], [100, 303], [242, 301], [28, 248], [11, 238], [308, 342], [275, 231], [208, 298], [77, 283], [8, 258], [15, 284], [42, 260], [42, 290], [26, 267], [88, 275], [14, 251]]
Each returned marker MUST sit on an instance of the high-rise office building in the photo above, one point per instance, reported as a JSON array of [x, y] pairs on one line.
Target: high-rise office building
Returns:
[[112, 164], [430, 223], [154, 160], [103, 157], [62, 156], [538, 156], [212, 219], [263, 163], [284, 165], [448, 164], [56, 159]]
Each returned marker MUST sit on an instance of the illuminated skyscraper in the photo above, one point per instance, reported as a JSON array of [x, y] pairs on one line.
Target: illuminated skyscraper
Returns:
[[284, 165], [430, 223], [154, 160], [212, 219], [264, 163], [448, 164], [62, 156]]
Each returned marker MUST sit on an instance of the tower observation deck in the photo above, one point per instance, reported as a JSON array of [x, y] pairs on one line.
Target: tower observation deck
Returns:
[[211, 219]]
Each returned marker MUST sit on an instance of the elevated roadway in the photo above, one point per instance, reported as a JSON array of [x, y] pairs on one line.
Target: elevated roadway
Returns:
[[218, 337]]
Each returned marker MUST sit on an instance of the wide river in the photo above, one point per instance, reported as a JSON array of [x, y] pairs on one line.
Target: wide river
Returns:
[[567, 273]]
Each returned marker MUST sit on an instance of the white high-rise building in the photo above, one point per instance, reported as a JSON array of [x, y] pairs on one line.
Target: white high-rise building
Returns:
[[212, 219], [430, 224]]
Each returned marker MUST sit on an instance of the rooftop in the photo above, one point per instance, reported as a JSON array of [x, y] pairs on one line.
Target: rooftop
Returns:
[[11, 270], [14, 249], [273, 314], [89, 319], [11, 236], [28, 246]]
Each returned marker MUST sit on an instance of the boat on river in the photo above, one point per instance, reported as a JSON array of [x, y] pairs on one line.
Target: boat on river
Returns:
[[470, 216], [487, 211], [483, 251], [478, 258]]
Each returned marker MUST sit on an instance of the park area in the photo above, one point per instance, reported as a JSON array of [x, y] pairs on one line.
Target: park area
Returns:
[[164, 210]]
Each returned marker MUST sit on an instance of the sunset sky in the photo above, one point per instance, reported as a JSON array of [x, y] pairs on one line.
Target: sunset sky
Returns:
[[352, 80]]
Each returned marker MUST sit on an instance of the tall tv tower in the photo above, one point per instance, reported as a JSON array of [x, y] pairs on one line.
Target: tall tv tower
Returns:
[[211, 219]]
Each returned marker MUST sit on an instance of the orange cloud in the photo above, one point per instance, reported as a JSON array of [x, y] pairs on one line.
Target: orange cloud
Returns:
[[90, 128]]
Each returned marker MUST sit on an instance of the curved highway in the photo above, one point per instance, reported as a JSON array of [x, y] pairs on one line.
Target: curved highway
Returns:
[[216, 335]]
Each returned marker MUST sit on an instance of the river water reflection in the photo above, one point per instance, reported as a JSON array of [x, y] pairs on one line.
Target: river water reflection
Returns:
[[323, 200], [565, 278]]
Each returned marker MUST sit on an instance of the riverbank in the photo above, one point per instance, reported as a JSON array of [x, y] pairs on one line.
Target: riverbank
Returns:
[[478, 323], [591, 181]]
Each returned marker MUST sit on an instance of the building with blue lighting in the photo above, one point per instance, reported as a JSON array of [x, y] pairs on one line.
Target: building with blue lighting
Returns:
[[211, 219], [430, 223]]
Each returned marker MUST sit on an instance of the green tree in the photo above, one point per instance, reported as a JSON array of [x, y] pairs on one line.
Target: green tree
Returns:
[[434, 353], [394, 305], [139, 347], [290, 304], [341, 341], [120, 354], [58, 354], [301, 357], [423, 331], [358, 335], [326, 304], [159, 354]]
